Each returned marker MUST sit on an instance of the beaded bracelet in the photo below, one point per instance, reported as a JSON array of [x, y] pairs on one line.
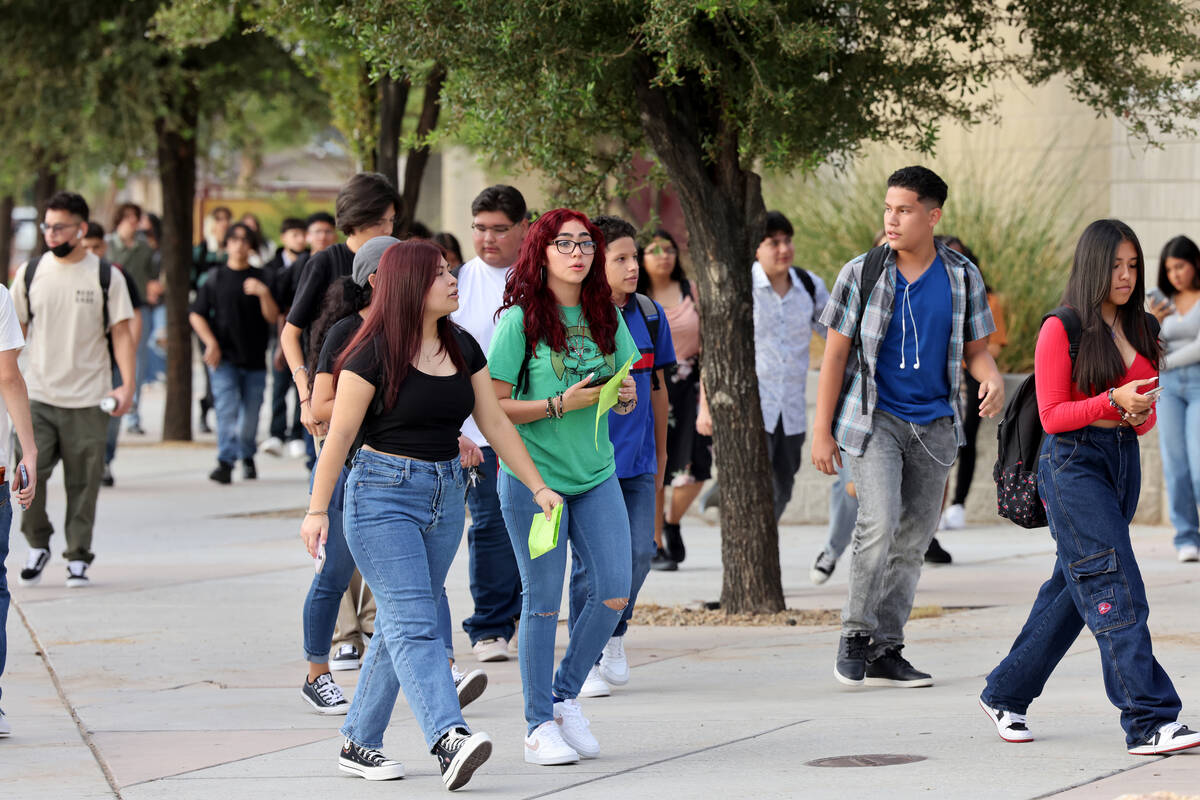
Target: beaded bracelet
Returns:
[[1124, 414]]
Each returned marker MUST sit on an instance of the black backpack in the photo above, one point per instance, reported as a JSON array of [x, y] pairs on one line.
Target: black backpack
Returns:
[[1019, 438], [105, 282]]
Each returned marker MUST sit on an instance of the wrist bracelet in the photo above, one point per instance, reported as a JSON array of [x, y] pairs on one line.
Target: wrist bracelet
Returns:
[[549, 408], [539, 491], [297, 369], [316, 513]]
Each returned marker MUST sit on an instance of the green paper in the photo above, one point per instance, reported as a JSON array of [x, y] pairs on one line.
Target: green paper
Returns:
[[608, 395], [543, 533]]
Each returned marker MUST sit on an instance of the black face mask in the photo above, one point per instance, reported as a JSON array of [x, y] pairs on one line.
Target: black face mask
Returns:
[[63, 250]]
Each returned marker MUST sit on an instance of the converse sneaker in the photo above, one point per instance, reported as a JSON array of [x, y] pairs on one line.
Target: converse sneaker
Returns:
[[459, 754], [614, 666], [545, 746], [5, 728], [822, 568], [953, 518], [889, 668], [34, 564], [851, 663], [569, 717], [1169, 738], [469, 685], [367, 763], [77, 574], [1187, 553], [325, 696], [1010, 725], [595, 685], [345, 658], [494, 649]]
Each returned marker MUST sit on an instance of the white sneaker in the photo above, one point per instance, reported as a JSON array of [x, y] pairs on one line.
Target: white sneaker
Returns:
[[953, 518], [574, 725], [297, 449], [545, 746], [1168, 738], [491, 649], [1189, 552], [5, 728], [614, 666], [272, 447], [77, 574], [594, 685], [1010, 726], [35, 563], [822, 568]]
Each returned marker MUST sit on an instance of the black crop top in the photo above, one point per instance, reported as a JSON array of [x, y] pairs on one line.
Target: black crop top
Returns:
[[425, 421]]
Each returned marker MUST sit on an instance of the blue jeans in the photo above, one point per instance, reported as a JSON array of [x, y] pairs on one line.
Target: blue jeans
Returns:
[[495, 580], [404, 520], [237, 398], [1090, 480], [639, 506], [147, 360], [1179, 445], [601, 538], [843, 513], [5, 524]]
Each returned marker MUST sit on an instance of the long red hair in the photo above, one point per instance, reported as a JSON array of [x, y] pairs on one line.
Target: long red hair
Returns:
[[526, 287], [394, 320]]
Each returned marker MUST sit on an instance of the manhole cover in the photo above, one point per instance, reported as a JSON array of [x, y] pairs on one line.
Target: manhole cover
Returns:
[[868, 760]]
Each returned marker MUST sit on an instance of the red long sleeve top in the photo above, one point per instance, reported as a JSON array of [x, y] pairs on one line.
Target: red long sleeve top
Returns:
[[1061, 405]]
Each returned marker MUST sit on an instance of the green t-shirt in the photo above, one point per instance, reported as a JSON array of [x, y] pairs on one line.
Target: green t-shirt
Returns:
[[564, 450]]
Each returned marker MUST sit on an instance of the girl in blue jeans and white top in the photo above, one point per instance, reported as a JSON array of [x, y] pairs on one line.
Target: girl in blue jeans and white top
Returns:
[[408, 378], [559, 335], [1093, 409]]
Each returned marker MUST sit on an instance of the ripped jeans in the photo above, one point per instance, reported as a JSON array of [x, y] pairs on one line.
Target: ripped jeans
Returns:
[[597, 527], [1090, 480]]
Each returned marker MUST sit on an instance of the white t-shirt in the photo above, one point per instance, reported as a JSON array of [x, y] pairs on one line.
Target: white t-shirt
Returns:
[[10, 339], [67, 363], [480, 293]]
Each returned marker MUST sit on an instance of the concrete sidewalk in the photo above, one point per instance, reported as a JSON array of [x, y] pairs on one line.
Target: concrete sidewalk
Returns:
[[177, 673]]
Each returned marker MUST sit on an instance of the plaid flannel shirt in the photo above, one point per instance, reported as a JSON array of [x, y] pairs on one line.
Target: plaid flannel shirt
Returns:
[[971, 316]]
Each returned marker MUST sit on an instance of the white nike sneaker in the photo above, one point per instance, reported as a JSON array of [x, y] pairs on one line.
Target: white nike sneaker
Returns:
[[574, 725], [545, 746]]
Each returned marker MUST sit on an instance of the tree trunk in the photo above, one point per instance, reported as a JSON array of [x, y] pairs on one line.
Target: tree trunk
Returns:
[[723, 207], [418, 157], [6, 232], [45, 184], [177, 173], [393, 99]]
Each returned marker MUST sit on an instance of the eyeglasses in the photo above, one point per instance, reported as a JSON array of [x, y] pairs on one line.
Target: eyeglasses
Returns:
[[500, 230], [566, 246], [57, 229]]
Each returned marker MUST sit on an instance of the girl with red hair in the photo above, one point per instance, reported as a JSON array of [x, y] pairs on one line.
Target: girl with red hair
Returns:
[[407, 379], [558, 339]]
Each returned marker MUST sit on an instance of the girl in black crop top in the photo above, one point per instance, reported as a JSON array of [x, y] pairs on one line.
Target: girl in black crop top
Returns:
[[408, 378]]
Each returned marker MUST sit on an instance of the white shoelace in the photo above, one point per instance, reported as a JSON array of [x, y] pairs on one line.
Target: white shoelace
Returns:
[[615, 648], [329, 692], [457, 674], [572, 714]]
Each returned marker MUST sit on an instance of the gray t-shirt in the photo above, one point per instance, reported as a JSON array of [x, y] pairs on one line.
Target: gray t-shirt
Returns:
[[1181, 337]]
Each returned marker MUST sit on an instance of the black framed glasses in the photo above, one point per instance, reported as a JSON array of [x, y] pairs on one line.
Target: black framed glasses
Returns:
[[567, 246]]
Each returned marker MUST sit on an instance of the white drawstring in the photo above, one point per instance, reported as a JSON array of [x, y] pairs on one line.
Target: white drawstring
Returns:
[[906, 305]]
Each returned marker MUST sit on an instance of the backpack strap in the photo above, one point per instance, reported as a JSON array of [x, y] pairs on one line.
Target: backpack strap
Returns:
[[650, 314], [1069, 318], [105, 282], [522, 384], [30, 268], [807, 281], [871, 271]]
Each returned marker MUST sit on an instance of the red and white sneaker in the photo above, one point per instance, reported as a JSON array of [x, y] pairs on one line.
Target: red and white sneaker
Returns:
[[1170, 738]]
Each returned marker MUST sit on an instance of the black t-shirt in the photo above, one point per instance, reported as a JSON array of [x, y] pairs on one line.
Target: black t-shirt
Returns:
[[235, 317], [428, 414], [336, 340], [283, 280], [319, 271], [135, 299]]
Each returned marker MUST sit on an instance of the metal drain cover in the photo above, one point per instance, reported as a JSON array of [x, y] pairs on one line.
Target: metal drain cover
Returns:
[[868, 760]]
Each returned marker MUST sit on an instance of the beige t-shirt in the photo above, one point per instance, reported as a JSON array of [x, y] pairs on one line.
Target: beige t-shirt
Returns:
[[67, 353]]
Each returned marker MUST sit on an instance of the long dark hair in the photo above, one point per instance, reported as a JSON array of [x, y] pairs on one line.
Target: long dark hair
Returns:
[[393, 325], [677, 274], [1099, 364], [1184, 248], [526, 287], [343, 298]]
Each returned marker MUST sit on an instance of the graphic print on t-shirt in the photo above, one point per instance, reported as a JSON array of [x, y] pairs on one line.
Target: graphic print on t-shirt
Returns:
[[582, 358]]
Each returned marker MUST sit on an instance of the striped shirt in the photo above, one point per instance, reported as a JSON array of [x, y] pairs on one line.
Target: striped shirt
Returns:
[[970, 316]]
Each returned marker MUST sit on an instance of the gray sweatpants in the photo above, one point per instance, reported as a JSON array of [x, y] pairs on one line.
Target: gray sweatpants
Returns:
[[900, 485]]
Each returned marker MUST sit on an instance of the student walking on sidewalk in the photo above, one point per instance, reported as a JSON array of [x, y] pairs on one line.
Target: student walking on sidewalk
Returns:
[[1089, 476]]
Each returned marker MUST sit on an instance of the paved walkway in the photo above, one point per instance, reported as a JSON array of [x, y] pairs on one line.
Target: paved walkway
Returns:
[[177, 673]]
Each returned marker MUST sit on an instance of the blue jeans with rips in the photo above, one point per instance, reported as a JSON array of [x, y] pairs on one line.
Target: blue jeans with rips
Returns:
[[1090, 480]]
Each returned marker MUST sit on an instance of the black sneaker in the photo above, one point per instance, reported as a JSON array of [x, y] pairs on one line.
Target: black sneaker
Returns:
[[852, 659], [345, 658], [1169, 738], [662, 562], [673, 542], [889, 668], [369, 764], [106, 478], [459, 754], [223, 473], [936, 554], [325, 696], [822, 568], [77, 574], [31, 574], [249, 471], [469, 685]]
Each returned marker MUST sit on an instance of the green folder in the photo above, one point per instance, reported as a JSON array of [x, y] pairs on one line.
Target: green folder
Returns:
[[608, 395], [543, 533]]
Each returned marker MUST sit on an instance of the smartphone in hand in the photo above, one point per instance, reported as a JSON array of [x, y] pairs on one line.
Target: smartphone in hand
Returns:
[[23, 480]]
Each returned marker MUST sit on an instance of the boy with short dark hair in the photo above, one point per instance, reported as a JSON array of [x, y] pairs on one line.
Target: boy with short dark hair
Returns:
[[896, 417]]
